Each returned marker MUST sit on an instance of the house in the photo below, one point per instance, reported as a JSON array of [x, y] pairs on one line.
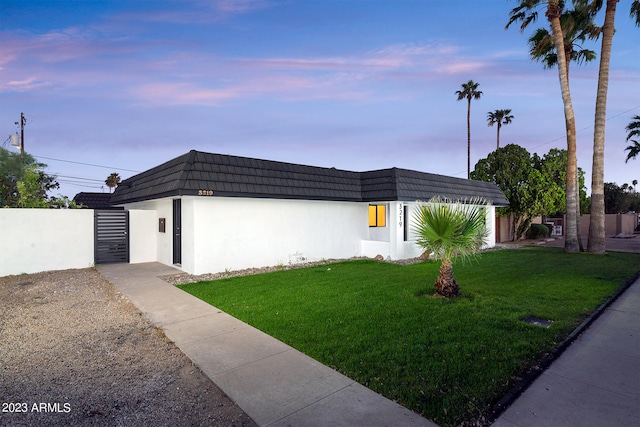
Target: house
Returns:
[[92, 200], [220, 212]]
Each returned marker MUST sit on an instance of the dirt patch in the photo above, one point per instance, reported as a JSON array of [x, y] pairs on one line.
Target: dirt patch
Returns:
[[74, 351]]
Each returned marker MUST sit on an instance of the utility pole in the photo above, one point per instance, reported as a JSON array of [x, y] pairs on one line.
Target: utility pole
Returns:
[[22, 122]]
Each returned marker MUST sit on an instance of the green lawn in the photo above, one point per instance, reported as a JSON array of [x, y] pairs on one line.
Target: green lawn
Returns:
[[449, 360]]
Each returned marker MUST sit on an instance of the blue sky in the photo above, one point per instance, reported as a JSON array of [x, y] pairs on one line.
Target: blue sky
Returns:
[[122, 86]]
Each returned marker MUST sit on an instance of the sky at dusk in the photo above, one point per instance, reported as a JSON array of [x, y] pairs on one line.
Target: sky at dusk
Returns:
[[122, 86]]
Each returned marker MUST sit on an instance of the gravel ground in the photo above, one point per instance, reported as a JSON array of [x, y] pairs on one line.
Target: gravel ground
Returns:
[[74, 351], [184, 278]]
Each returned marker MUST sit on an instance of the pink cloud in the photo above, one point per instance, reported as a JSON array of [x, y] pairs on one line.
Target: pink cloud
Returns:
[[24, 85], [461, 66]]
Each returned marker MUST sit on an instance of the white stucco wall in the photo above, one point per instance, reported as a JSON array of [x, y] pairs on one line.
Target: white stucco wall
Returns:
[[143, 236], [162, 250], [34, 240], [237, 233], [220, 233]]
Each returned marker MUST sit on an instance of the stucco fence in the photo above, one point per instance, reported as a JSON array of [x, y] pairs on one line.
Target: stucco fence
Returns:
[[35, 240]]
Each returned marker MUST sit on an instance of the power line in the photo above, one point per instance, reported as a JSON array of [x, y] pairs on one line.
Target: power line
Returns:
[[78, 177], [86, 164], [77, 184], [586, 127]]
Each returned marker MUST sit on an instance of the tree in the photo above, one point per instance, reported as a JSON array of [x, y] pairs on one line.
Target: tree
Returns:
[[499, 118], [31, 194], [15, 169], [526, 13], [511, 169], [449, 230], [596, 240], [469, 91], [577, 26], [633, 151], [553, 167], [633, 127], [112, 181], [533, 185], [634, 130], [620, 199]]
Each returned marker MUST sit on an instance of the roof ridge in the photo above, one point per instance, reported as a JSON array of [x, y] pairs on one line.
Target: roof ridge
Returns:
[[188, 166]]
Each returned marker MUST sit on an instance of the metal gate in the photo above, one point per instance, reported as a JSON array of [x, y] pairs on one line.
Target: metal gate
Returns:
[[111, 236]]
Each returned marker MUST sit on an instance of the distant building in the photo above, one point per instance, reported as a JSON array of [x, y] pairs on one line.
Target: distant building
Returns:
[[94, 200]]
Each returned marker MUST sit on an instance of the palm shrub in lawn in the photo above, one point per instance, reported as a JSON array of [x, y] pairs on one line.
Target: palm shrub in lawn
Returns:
[[450, 230], [447, 359]]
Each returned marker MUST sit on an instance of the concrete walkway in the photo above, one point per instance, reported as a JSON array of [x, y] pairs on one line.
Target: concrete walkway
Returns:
[[273, 383], [595, 382]]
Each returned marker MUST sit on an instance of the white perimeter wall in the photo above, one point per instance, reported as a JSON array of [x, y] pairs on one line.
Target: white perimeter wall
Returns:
[[34, 240]]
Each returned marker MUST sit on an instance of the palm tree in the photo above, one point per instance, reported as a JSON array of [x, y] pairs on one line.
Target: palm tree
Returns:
[[449, 230], [112, 181], [634, 130], [596, 240], [526, 12], [634, 150], [577, 26], [469, 91], [499, 117]]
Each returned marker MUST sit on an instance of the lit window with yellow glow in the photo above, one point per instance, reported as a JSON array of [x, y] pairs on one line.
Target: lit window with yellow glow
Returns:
[[377, 216]]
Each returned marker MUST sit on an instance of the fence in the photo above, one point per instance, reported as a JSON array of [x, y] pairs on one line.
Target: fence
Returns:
[[615, 224], [34, 240]]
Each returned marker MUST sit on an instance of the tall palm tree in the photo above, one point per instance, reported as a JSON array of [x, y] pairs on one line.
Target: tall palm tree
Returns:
[[596, 240], [112, 181], [469, 91], [526, 12], [449, 230], [596, 228], [499, 117], [577, 26]]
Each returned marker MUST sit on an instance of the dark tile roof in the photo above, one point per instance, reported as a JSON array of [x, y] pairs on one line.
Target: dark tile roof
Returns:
[[93, 200], [409, 185], [198, 173]]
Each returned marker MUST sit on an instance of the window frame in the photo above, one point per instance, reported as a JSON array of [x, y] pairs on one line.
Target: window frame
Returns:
[[377, 215]]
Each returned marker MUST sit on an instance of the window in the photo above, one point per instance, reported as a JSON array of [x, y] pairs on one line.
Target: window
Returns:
[[377, 216]]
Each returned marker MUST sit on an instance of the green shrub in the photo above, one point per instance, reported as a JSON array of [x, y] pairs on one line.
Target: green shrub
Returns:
[[538, 231]]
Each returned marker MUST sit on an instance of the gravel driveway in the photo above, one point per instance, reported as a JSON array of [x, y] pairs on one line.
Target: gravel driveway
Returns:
[[74, 351]]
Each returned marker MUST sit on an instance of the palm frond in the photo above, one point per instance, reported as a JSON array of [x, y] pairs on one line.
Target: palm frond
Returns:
[[449, 229]]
